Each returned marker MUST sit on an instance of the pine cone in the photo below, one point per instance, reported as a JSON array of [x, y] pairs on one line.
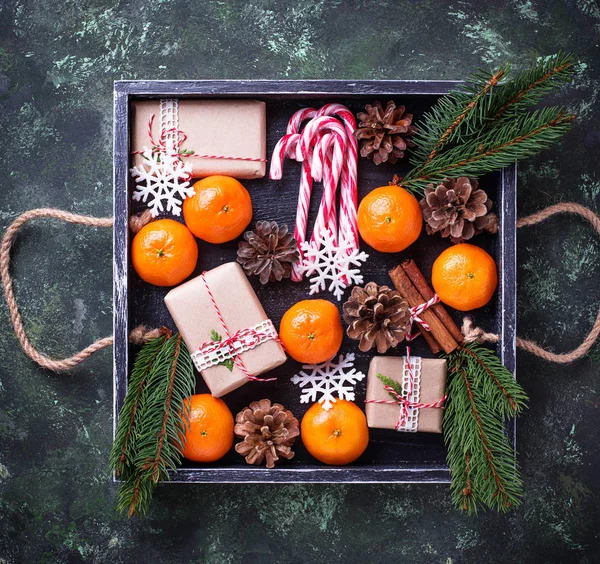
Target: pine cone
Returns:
[[268, 252], [377, 316], [269, 431], [458, 209], [384, 135]]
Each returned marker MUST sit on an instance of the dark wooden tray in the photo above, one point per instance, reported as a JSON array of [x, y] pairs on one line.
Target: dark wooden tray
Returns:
[[390, 456]]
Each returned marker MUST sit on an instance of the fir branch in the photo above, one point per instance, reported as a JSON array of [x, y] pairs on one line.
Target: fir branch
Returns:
[[480, 128], [153, 464], [532, 84], [482, 461], [472, 104], [160, 422], [123, 446], [501, 146], [135, 495], [507, 396], [165, 419]]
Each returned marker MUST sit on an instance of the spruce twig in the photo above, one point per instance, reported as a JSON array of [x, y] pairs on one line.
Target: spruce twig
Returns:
[[123, 447], [162, 379], [483, 395], [469, 109], [532, 84], [501, 146], [480, 128]]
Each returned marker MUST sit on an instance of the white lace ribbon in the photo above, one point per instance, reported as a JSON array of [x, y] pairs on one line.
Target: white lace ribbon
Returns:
[[213, 353], [411, 382]]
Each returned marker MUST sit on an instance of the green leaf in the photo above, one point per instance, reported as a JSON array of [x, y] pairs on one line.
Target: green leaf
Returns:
[[387, 381], [229, 364]]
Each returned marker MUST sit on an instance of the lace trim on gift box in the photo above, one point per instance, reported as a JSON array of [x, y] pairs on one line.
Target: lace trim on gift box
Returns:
[[213, 353], [411, 382], [169, 122]]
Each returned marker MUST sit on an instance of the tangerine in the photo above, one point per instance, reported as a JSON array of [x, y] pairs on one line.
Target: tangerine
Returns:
[[210, 433], [389, 219], [336, 436], [219, 211], [164, 252], [464, 277], [311, 331]]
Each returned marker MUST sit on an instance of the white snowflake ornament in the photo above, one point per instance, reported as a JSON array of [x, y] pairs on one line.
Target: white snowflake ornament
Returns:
[[321, 381], [332, 266], [162, 181]]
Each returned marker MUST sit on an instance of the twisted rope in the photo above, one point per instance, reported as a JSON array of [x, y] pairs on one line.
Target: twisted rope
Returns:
[[476, 334], [139, 335]]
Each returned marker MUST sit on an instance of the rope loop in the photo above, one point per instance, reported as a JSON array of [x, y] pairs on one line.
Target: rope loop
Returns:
[[139, 335], [476, 334]]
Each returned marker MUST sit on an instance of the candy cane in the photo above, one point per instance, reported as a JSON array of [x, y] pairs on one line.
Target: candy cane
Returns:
[[321, 171], [349, 183], [332, 168], [287, 146], [328, 152]]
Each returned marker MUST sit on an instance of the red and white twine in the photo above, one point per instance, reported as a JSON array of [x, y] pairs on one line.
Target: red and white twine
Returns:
[[415, 313], [170, 139], [236, 343]]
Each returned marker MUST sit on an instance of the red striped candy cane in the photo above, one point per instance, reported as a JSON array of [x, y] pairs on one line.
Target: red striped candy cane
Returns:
[[287, 146], [321, 171], [349, 182], [333, 162]]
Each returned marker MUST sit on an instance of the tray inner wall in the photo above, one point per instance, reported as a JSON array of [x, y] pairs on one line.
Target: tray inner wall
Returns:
[[276, 200]]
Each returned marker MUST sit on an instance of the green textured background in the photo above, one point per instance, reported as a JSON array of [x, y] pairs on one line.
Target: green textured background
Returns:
[[58, 61]]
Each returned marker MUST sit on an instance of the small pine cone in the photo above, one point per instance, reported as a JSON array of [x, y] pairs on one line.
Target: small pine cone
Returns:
[[458, 209], [268, 252], [269, 432], [384, 134], [376, 316]]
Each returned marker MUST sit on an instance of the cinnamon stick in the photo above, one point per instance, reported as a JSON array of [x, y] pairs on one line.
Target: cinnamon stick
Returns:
[[403, 284], [420, 283], [431, 342]]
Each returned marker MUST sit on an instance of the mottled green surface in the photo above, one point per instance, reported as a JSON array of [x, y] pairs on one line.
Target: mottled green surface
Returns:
[[58, 61]]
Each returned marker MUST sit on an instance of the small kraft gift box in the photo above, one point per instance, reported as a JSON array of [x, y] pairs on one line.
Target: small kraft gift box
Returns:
[[213, 136], [229, 336], [423, 382]]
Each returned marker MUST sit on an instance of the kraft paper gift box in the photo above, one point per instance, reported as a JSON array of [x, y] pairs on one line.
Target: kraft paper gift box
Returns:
[[221, 128], [431, 387], [194, 314]]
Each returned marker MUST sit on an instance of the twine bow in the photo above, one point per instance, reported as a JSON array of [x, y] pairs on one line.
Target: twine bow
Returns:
[[415, 313]]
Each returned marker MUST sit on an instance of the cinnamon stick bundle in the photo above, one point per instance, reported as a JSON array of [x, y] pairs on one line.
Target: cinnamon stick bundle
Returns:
[[438, 331], [420, 283]]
